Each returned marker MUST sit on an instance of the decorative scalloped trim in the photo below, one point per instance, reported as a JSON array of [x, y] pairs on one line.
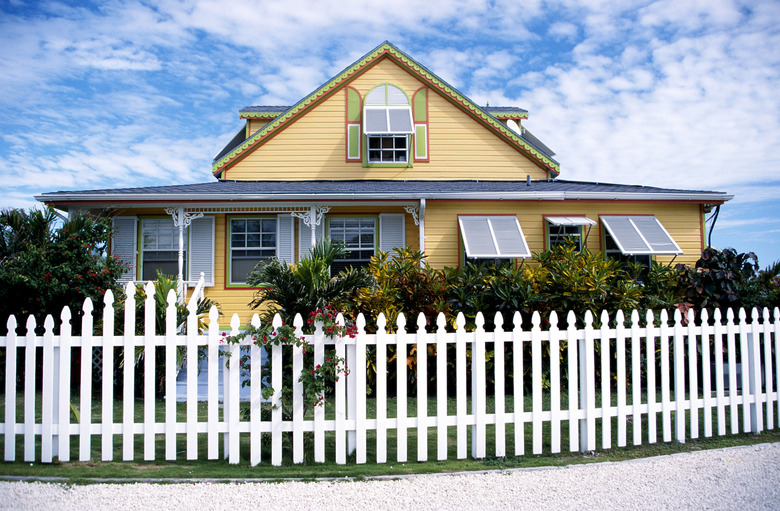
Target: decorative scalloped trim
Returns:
[[253, 115], [386, 48]]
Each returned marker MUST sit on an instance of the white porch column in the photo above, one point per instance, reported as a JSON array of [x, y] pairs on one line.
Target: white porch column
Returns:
[[312, 219], [181, 220]]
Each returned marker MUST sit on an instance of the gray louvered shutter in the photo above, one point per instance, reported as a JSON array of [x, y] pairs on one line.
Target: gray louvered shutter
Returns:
[[391, 232], [124, 244], [201, 250], [304, 237], [286, 246]]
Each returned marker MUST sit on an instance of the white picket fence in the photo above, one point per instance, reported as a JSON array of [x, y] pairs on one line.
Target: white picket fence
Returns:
[[686, 393]]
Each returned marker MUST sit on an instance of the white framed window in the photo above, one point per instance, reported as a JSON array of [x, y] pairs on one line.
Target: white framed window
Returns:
[[387, 125], [567, 228], [251, 241], [358, 234], [388, 148], [160, 248]]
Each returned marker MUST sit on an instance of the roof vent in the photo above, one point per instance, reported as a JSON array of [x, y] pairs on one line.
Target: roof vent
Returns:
[[528, 180]]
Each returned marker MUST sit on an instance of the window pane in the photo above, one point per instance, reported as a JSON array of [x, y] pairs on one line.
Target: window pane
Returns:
[[253, 226]]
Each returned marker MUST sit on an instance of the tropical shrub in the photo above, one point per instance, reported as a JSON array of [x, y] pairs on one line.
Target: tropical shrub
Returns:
[[45, 267], [307, 286]]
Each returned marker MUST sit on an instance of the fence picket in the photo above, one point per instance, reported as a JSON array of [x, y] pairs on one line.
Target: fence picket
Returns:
[[128, 387], [212, 410], [150, 364], [652, 415], [29, 390], [107, 406], [50, 365], [620, 353], [555, 385], [171, 363], [192, 359], [666, 402], [10, 391], [341, 406], [679, 378], [422, 389], [536, 386], [770, 418], [636, 379], [298, 408], [606, 375], [61, 412], [381, 389], [277, 365], [588, 387], [693, 371], [706, 374], [460, 385], [731, 330], [400, 413], [85, 403], [441, 387], [499, 337], [478, 394], [518, 403], [360, 391], [573, 342], [754, 358], [319, 411], [776, 330], [745, 352]]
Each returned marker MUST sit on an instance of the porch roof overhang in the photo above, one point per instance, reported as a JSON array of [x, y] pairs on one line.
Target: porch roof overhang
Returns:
[[221, 192]]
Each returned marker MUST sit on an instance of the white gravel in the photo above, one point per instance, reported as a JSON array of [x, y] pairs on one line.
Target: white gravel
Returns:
[[736, 478]]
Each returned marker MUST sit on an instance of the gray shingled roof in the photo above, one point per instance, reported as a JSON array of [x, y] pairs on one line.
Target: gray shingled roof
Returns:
[[388, 190]]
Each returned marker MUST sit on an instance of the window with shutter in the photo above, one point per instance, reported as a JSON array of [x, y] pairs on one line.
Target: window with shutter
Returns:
[[201, 249]]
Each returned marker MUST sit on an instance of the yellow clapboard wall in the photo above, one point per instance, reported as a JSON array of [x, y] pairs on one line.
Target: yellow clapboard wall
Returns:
[[442, 235]]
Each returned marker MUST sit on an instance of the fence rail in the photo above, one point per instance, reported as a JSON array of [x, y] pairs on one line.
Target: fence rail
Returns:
[[618, 374]]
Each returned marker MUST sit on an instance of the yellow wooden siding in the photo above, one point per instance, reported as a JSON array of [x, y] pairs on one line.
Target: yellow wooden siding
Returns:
[[682, 221], [314, 146]]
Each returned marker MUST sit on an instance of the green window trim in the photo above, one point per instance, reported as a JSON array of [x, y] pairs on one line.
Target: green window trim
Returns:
[[254, 236]]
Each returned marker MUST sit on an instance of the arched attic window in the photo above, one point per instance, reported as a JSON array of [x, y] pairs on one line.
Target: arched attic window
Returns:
[[387, 124]]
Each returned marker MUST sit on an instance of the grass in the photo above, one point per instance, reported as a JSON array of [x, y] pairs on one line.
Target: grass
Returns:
[[220, 469]]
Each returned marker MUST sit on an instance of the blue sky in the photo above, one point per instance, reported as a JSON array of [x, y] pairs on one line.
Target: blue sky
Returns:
[[671, 93]]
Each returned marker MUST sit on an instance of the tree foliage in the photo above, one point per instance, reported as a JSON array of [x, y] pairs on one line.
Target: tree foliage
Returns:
[[45, 267]]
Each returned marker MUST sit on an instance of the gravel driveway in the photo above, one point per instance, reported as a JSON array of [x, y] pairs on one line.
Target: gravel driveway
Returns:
[[735, 478]]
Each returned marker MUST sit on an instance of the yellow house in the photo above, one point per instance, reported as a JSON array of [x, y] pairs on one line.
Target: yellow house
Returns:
[[385, 155]]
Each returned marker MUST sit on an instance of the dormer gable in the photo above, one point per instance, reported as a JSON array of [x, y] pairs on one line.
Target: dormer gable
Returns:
[[263, 127]]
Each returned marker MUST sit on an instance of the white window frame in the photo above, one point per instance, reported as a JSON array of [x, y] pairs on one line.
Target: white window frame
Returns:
[[146, 228], [561, 227], [361, 262], [382, 151], [245, 248]]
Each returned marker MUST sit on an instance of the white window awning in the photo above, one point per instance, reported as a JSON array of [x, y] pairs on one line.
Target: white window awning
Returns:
[[640, 235], [570, 220], [499, 237], [387, 120]]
